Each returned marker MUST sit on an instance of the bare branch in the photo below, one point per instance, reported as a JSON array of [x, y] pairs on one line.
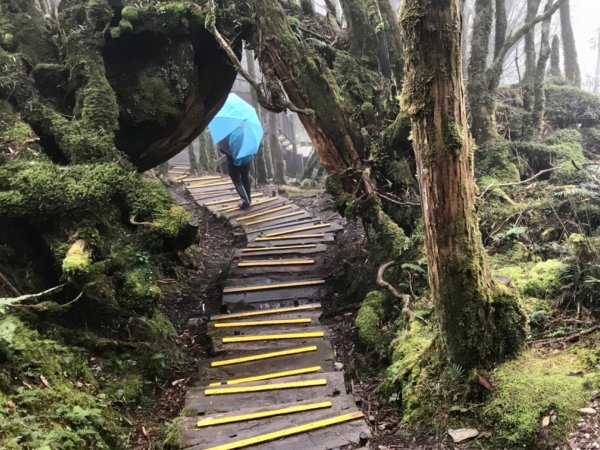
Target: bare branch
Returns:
[[516, 183], [8, 301], [381, 282]]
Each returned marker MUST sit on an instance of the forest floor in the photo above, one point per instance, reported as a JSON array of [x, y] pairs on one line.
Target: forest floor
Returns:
[[201, 284]]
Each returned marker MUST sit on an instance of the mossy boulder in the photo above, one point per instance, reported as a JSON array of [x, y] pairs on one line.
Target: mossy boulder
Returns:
[[375, 308], [567, 106], [541, 280]]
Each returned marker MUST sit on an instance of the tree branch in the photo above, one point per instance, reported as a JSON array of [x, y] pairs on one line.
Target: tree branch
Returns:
[[7, 301], [382, 283], [516, 183], [518, 35], [210, 25]]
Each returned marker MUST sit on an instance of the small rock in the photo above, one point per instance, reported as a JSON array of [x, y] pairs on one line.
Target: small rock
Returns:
[[588, 411], [462, 434], [338, 366]]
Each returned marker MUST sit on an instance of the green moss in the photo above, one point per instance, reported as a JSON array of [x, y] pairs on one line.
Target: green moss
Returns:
[[160, 326], [591, 139], [374, 309], [139, 291], [541, 280], [63, 416], [173, 439], [128, 390], [78, 259], [528, 388], [497, 162], [567, 106], [130, 13], [454, 138]]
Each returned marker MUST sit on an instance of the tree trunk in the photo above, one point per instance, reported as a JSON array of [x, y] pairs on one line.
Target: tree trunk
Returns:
[[467, 15], [284, 54], [192, 158], [260, 165], [572, 71], [501, 26], [530, 58], [597, 75], [276, 151], [393, 37], [481, 99], [361, 32], [539, 103], [476, 327], [332, 14], [555, 58]]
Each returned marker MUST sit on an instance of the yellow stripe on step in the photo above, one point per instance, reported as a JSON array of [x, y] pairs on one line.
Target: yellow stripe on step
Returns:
[[266, 287], [261, 323], [207, 193], [271, 219], [283, 238], [264, 312], [270, 376], [280, 247], [274, 263], [204, 178], [259, 202], [265, 387], [296, 230], [261, 356], [262, 414], [286, 432], [211, 184], [262, 213], [230, 200], [272, 337]]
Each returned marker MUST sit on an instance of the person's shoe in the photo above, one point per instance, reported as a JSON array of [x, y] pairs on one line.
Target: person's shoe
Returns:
[[244, 204]]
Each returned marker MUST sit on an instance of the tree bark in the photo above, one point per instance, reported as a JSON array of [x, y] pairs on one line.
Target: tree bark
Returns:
[[501, 26], [393, 37], [361, 32], [539, 103], [476, 327], [192, 158], [555, 58], [260, 164], [572, 71], [276, 151], [530, 58]]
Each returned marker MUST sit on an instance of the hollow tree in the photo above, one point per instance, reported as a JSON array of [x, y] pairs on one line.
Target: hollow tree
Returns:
[[477, 326]]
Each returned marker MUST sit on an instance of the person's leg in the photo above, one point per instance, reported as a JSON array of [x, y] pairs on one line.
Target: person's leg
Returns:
[[235, 175], [245, 177]]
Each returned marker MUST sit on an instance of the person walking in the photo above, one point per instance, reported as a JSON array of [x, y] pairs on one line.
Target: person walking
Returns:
[[239, 169]]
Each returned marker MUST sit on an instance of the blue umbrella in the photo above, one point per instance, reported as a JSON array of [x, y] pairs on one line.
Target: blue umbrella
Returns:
[[234, 114]]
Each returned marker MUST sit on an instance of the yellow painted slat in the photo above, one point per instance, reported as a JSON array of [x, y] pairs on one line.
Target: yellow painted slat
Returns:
[[270, 376], [262, 213], [264, 312], [230, 200], [262, 323], [277, 247], [207, 193], [273, 337], [296, 230], [266, 287], [271, 219], [265, 387], [286, 432], [210, 184], [257, 203], [261, 356], [299, 236], [189, 179], [181, 177], [272, 263], [208, 422]]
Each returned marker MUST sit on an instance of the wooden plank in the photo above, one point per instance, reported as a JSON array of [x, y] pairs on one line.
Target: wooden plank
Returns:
[[211, 421], [210, 184], [280, 311], [322, 356], [274, 202], [277, 338], [290, 431], [263, 323], [292, 270], [235, 390], [262, 356], [276, 262], [293, 240], [276, 218], [273, 337], [274, 248], [268, 376], [333, 384], [189, 179], [251, 216], [253, 207], [338, 436], [300, 229], [274, 297], [265, 287], [231, 200], [279, 221]]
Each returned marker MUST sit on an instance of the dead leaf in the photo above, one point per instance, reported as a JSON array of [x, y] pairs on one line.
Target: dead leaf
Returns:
[[45, 382], [545, 421], [79, 384], [144, 431], [484, 382], [9, 404], [176, 382], [27, 385]]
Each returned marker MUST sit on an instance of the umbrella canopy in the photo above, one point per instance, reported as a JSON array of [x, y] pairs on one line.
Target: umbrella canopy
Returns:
[[234, 114]]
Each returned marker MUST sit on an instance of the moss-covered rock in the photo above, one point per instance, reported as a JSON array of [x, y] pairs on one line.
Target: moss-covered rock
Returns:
[[541, 280], [373, 312]]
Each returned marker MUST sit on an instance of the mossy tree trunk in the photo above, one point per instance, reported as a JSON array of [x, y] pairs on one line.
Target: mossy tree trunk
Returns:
[[194, 163], [597, 73], [476, 328], [530, 58], [572, 71], [276, 151], [358, 15], [309, 85], [539, 102], [555, 58], [260, 164]]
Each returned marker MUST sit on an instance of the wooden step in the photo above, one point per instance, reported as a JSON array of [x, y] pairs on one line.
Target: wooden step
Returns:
[[198, 401], [279, 313], [275, 338]]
